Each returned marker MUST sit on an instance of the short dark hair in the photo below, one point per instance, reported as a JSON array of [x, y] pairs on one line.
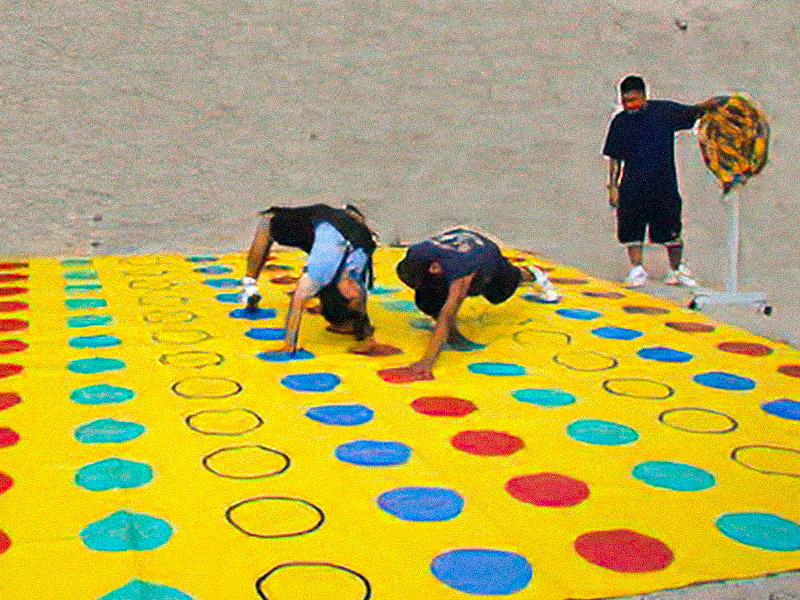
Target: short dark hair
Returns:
[[632, 83]]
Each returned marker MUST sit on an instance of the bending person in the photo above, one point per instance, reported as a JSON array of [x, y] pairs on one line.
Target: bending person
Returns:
[[339, 244], [445, 269]]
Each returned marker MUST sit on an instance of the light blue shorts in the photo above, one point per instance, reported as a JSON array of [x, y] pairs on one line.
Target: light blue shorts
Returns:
[[329, 250]]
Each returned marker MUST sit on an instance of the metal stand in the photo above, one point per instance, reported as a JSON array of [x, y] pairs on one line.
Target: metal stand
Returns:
[[757, 300]]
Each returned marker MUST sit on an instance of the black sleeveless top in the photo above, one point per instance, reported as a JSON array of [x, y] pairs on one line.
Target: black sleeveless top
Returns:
[[295, 226]]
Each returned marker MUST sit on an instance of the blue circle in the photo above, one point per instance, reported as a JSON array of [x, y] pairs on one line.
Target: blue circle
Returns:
[[724, 381], [223, 282], [497, 368], [214, 269], [761, 530], [341, 414], [663, 354], [603, 433], [421, 503], [617, 333], [228, 298], [483, 571], [399, 305], [581, 314], [544, 397], [674, 476], [95, 365], [283, 356], [470, 346], [94, 341], [372, 453], [253, 314], [266, 333], [784, 408], [311, 382]]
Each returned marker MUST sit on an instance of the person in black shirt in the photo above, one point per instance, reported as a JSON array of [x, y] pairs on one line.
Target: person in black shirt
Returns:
[[643, 185], [338, 270]]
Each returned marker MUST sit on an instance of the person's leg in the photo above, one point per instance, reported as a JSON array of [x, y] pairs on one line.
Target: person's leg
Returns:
[[631, 228], [256, 257], [666, 229], [635, 254], [675, 255]]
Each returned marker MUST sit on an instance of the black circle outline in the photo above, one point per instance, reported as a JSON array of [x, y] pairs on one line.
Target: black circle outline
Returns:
[[514, 336], [164, 359], [734, 427], [239, 387], [614, 362], [670, 393], [287, 460], [316, 508], [263, 578], [147, 316], [157, 274], [169, 285], [158, 260], [182, 300], [203, 338], [259, 421], [738, 461], [645, 312]]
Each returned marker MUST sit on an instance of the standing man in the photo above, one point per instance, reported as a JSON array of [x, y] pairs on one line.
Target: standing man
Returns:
[[338, 270], [642, 182], [445, 269]]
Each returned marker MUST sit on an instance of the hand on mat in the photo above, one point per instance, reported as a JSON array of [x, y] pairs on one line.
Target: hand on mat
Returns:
[[373, 348], [406, 374]]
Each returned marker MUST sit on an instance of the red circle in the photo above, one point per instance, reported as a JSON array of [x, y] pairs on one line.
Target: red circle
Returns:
[[548, 489], [13, 325], [487, 443], [11, 266], [443, 406], [690, 327], [624, 550], [13, 306], [12, 291], [6, 277], [5, 482], [285, 279], [8, 437], [9, 346], [790, 370], [7, 370], [404, 375], [747, 348], [5, 541], [9, 399]]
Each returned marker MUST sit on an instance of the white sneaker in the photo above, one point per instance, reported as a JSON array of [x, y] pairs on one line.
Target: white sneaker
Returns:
[[636, 277], [680, 276], [249, 294]]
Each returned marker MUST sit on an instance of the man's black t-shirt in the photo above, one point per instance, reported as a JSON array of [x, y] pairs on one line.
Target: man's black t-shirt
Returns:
[[645, 141]]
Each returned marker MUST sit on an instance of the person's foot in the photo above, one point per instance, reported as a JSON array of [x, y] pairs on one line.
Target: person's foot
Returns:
[[637, 277], [249, 295], [681, 276]]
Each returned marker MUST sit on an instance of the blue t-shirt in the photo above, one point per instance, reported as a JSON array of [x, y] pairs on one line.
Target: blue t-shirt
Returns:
[[461, 251], [645, 141]]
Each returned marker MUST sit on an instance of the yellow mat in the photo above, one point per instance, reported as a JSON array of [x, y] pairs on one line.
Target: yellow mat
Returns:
[[609, 445]]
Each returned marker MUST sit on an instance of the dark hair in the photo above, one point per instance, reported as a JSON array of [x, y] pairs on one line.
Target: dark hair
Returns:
[[632, 83]]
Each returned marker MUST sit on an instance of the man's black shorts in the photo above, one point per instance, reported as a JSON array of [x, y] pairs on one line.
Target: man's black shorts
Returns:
[[661, 219]]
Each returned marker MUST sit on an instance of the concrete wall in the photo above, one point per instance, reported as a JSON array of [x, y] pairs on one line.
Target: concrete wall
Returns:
[[134, 126]]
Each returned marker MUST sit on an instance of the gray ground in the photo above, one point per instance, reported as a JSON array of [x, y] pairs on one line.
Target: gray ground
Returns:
[[134, 126]]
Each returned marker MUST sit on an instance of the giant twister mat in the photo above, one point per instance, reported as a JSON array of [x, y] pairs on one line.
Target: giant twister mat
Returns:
[[153, 448]]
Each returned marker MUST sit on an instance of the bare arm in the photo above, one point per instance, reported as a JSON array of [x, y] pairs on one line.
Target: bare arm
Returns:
[[306, 288], [445, 322], [614, 174], [712, 103], [259, 249]]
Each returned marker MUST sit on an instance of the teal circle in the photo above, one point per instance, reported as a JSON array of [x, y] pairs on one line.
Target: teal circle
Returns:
[[82, 288], [603, 433], [77, 303], [94, 341], [497, 369], [137, 589], [675, 476], [101, 394], [88, 320], [81, 274], [95, 365], [76, 262], [124, 531], [761, 530], [544, 397], [112, 474]]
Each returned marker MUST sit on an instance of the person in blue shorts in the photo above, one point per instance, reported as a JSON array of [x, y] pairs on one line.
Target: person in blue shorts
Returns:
[[446, 268], [338, 270], [642, 184]]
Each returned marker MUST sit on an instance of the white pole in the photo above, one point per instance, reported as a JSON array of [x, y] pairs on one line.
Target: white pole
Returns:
[[733, 240]]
